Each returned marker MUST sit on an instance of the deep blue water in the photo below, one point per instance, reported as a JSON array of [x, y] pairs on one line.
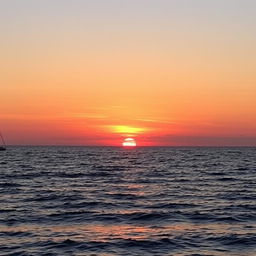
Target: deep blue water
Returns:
[[113, 201]]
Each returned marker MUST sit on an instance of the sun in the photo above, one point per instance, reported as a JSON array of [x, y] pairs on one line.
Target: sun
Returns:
[[129, 142]]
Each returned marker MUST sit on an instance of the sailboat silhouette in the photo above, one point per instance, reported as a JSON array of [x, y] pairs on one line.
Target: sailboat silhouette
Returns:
[[2, 148]]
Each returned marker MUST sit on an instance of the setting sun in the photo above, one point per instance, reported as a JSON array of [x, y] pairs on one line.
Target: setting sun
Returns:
[[129, 142]]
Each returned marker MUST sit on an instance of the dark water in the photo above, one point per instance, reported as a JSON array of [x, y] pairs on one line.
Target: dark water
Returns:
[[113, 201]]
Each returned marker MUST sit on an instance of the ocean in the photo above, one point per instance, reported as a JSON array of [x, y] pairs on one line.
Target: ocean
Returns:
[[104, 201]]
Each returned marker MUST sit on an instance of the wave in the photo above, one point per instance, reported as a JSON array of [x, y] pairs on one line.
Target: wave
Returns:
[[235, 240]]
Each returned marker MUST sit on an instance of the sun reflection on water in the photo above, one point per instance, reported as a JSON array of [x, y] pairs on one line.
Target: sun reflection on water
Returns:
[[103, 233]]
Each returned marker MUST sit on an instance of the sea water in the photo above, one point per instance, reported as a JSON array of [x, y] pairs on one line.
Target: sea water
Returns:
[[117, 201]]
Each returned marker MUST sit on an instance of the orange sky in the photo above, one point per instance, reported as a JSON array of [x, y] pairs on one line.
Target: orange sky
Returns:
[[165, 73]]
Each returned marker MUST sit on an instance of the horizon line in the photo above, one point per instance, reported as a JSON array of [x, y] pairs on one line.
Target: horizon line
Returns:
[[138, 146]]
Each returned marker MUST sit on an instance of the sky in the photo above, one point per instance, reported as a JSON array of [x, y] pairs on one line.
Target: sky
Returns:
[[94, 72]]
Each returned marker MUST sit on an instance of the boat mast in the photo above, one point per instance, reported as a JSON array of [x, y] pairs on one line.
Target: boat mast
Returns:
[[2, 139]]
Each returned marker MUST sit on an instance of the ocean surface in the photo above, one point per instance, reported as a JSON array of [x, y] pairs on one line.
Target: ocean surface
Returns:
[[108, 201]]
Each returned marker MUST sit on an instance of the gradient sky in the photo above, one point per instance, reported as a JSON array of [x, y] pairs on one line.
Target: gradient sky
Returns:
[[92, 72]]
